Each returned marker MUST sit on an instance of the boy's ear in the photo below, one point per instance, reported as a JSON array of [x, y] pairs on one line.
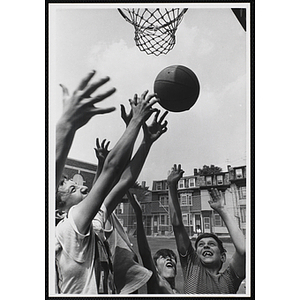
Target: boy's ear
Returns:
[[223, 257]]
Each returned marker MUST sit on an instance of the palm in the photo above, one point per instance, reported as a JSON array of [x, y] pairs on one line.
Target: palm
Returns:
[[153, 131], [217, 201], [101, 150]]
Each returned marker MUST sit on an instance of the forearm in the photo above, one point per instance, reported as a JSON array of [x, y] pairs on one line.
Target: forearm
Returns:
[[128, 178], [174, 206], [181, 236], [121, 153], [112, 168], [143, 245], [98, 171], [64, 137], [236, 234]]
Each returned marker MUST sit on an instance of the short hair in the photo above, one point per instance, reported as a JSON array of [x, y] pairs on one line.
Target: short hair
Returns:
[[164, 253], [212, 235], [59, 194]]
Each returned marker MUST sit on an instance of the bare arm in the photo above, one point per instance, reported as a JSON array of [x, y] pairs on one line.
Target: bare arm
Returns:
[[114, 164], [144, 249], [77, 111], [181, 236], [133, 169], [238, 239]]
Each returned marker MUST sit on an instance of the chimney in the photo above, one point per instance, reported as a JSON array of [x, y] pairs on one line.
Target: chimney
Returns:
[[195, 172], [143, 184]]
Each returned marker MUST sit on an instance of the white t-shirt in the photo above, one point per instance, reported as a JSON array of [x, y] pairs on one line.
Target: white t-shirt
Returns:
[[75, 261]]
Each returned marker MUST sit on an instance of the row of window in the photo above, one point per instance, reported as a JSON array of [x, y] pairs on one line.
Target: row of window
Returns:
[[186, 199], [220, 179], [187, 220]]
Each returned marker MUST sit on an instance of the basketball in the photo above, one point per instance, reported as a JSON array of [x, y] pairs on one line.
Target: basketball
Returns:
[[177, 87]]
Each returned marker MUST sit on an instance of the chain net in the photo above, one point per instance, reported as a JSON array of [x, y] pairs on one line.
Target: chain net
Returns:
[[154, 28]]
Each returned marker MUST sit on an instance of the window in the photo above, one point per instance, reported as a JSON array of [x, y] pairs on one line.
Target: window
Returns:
[[208, 180], [242, 192], [239, 173], [243, 214], [185, 219], [218, 220], [220, 179], [181, 184], [163, 201], [206, 221], [164, 220], [186, 199], [158, 186], [192, 182]]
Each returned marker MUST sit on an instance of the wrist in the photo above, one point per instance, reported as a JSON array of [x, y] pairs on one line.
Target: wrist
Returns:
[[65, 125], [221, 211], [172, 183]]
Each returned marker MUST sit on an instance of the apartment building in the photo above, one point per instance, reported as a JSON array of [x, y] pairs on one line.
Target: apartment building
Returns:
[[193, 196]]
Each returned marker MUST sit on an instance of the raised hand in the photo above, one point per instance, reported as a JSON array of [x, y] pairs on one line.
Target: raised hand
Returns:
[[153, 131], [175, 174], [142, 106], [217, 199], [126, 117], [79, 108], [101, 150]]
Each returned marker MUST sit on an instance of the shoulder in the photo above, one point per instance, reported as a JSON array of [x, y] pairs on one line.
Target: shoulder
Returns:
[[229, 275]]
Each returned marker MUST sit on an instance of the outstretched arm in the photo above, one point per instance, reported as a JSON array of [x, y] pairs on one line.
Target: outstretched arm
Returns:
[[144, 249], [133, 169], [181, 236], [238, 239], [77, 111], [85, 211], [102, 151]]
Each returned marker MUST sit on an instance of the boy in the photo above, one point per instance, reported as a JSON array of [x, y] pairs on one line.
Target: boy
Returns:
[[201, 266]]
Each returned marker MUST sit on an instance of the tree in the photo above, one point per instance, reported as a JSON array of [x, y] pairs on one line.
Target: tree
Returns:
[[206, 170]]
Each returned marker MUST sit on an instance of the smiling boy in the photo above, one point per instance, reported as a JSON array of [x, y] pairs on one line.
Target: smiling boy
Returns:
[[201, 266]]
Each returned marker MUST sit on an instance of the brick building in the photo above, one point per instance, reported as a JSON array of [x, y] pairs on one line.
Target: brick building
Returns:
[[193, 195]]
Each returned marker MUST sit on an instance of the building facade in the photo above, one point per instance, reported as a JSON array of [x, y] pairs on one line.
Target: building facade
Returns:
[[193, 194]]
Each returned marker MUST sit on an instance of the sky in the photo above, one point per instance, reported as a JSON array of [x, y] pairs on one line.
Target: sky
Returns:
[[210, 41]]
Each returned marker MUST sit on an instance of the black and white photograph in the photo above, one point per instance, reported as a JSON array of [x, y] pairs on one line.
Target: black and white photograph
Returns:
[[150, 118]]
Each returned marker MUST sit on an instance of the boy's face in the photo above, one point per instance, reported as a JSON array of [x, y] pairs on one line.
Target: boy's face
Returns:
[[166, 266], [74, 193], [209, 252]]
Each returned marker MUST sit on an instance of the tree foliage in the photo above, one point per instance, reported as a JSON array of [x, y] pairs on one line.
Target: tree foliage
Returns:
[[208, 170]]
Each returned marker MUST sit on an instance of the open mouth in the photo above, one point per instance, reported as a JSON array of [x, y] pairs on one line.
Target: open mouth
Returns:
[[207, 253], [169, 265]]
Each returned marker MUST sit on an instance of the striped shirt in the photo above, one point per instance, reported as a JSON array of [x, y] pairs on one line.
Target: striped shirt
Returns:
[[197, 280]]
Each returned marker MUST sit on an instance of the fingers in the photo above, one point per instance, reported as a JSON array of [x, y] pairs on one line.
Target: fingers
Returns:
[[134, 100], [97, 143], [86, 80], [163, 116], [105, 146], [144, 94], [102, 111], [94, 86], [156, 116], [65, 91], [123, 111], [101, 97], [215, 194]]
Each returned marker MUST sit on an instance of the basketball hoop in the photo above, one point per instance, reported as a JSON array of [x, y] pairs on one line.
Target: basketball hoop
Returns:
[[154, 28]]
